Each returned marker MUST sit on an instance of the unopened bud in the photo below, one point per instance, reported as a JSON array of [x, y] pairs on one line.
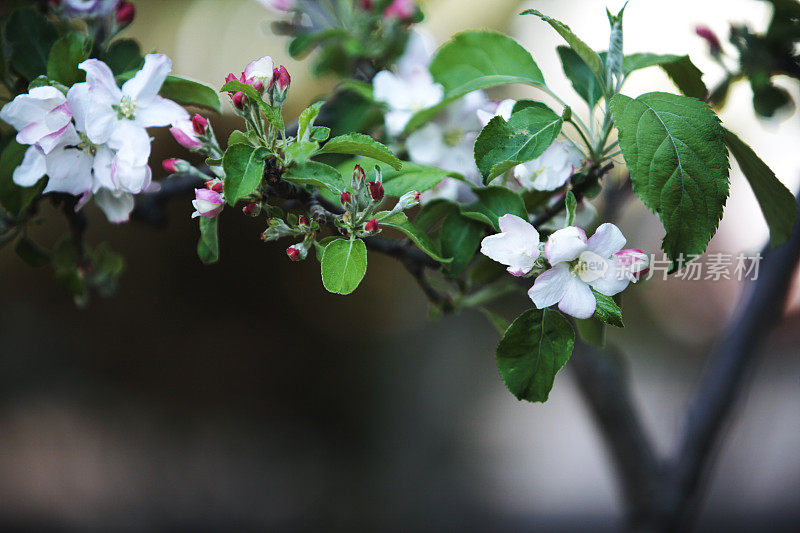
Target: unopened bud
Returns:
[[345, 198], [239, 100], [282, 79], [711, 38], [402, 9], [215, 185], [230, 77], [170, 165], [200, 124], [276, 229], [126, 11], [408, 200], [376, 190], [358, 177], [304, 221], [293, 253], [372, 226], [633, 262], [252, 210]]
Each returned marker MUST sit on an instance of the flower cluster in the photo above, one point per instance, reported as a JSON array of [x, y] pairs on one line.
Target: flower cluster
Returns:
[[576, 265], [269, 81], [93, 141]]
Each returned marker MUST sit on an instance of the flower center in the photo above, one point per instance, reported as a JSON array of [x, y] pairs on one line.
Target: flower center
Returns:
[[453, 137], [86, 145], [588, 267], [127, 108]]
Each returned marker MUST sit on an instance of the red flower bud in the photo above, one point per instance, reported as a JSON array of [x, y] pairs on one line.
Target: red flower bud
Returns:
[[239, 100], [366, 4], [345, 198], [376, 190], [282, 78], [230, 77], [710, 37], [215, 185], [372, 226], [293, 253], [251, 210], [304, 221], [256, 83], [169, 165], [200, 124], [125, 12], [359, 176]]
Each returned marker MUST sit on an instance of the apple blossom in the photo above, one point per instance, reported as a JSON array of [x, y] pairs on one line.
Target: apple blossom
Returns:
[[170, 165], [402, 9], [296, 252], [516, 246], [215, 184], [251, 210], [579, 265], [89, 8], [405, 95], [126, 12], [552, 169], [239, 100], [207, 203], [345, 198], [260, 70], [184, 132], [41, 117], [376, 190], [372, 226], [408, 200], [502, 109]]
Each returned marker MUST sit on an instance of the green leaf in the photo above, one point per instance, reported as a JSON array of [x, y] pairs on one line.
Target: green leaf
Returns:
[[503, 145], [680, 69], [271, 113], [776, 201], [411, 177], [675, 151], [316, 174], [191, 93], [460, 238], [592, 332], [571, 204], [320, 133], [477, 60], [533, 349], [13, 197], [67, 53], [208, 245], [400, 222], [581, 76], [360, 144], [239, 137], [301, 151], [31, 253], [344, 264], [30, 37], [499, 322], [494, 202], [306, 121], [607, 310], [589, 56], [244, 169], [124, 55], [433, 212]]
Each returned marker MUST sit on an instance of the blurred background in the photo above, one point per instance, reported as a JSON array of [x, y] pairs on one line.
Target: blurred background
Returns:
[[242, 395]]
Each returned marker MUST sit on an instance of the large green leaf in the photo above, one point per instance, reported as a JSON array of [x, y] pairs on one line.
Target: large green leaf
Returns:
[[675, 151], [581, 76], [680, 69], [776, 201], [124, 55], [317, 175], [400, 222], [478, 60], [503, 145], [344, 264], [460, 237], [244, 169], [208, 245], [30, 37], [360, 144], [67, 53], [494, 202], [190, 92], [589, 56], [533, 349]]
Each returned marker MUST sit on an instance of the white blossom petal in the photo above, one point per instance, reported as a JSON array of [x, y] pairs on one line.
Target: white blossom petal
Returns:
[[116, 205], [101, 82], [160, 112], [426, 145], [607, 240], [565, 245], [144, 86], [32, 169], [578, 300], [69, 171], [550, 286]]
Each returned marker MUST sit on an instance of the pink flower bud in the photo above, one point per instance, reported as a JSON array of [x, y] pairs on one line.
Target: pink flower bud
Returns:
[[215, 185], [186, 135], [304, 221], [230, 77], [200, 124], [294, 253], [170, 165], [125, 12], [710, 37], [239, 100], [402, 9], [376, 190], [256, 84], [207, 203], [633, 261], [358, 177], [372, 226], [345, 198], [282, 78], [252, 210]]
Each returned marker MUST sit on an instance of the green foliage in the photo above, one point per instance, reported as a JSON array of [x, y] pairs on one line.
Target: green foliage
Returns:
[[592, 332], [776, 201], [124, 55], [460, 238], [680, 69], [317, 175], [360, 144], [503, 145], [589, 56], [674, 149], [607, 310], [30, 37], [581, 76], [532, 351], [571, 204], [271, 113], [31, 253], [411, 177], [67, 53], [305, 123], [344, 264], [244, 168], [208, 245], [400, 222], [494, 202]]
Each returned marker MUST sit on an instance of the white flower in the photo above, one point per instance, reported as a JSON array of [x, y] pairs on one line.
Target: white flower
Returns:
[[119, 117], [260, 69], [517, 246], [405, 96], [89, 8], [40, 116], [552, 169], [418, 52], [578, 266], [503, 109]]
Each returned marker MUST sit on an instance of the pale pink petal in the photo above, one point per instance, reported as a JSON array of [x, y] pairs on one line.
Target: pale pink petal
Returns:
[[101, 82], [144, 86], [132, 142], [607, 240], [116, 205], [550, 286], [33, 167], [70, 171], [578, 300], [565, 245], [160, 112], [520, 228]]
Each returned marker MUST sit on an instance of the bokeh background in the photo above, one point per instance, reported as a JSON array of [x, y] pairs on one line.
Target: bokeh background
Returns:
[[243, 396]]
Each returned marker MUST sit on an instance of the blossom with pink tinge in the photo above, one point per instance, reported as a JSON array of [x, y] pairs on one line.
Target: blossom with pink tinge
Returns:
[[207, 203], [516, 246]]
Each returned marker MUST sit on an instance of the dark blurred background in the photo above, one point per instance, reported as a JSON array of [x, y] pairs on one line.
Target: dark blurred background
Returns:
[[243, 396]]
